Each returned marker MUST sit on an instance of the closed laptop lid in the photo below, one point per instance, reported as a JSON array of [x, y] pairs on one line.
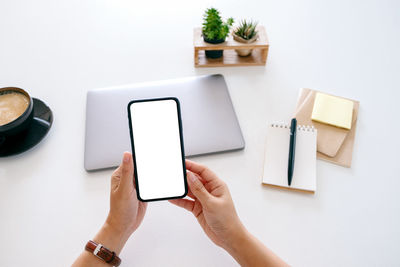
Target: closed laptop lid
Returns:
[[209, 121]]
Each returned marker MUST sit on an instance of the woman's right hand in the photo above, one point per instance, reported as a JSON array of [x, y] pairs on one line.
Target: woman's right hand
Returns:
[[211, 204]]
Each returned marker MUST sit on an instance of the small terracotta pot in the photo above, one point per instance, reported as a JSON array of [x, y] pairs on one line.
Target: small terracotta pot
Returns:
[[244, 52]]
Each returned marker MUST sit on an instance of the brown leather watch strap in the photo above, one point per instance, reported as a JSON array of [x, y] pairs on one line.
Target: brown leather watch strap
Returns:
[[103, 253]]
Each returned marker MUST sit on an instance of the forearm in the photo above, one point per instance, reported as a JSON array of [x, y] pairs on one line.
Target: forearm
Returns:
[[248, 251], [110, 238]]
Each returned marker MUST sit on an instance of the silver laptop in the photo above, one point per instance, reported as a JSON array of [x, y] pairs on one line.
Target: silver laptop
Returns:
[[209, 121]]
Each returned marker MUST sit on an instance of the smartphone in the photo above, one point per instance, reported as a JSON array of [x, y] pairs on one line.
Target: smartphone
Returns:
[[157, 147]]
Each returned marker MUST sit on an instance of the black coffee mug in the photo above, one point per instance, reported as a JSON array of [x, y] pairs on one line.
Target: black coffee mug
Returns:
[[18, 126]]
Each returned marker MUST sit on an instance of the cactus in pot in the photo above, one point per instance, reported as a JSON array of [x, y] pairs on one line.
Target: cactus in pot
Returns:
[[215, 30]]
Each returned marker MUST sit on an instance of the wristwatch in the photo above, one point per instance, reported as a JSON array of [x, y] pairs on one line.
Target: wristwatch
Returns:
[[103, 253]]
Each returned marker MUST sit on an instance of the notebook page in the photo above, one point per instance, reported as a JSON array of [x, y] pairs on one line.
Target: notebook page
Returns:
[[277, 154]]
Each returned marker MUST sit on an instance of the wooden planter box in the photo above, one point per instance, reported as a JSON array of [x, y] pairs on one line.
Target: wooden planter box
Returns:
[[230, 58]]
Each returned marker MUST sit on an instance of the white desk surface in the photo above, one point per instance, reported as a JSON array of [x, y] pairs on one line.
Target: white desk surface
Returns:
[[57, 50]]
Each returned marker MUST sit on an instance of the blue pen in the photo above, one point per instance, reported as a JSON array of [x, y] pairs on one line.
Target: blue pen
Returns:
[[292, 148]]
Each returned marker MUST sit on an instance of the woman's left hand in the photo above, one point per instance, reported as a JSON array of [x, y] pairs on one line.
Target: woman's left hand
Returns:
[[126, 211], [125, 215]]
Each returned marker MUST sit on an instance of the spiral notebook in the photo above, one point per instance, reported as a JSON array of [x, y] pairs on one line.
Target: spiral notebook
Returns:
[[277, 156]]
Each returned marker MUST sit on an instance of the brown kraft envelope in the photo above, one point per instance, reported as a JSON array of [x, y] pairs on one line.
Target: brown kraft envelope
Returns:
[[333, 144]]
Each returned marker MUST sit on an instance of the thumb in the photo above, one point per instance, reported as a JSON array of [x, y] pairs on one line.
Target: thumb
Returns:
[[126, 181], [197, 188]]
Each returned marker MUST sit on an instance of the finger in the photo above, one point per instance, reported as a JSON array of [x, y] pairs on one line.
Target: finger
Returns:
[[115, 178], [190, 194], [198, 177], [207, 185], [197, 188], [183, 203], [126, 171], [133, 176], [114, 182], [201, 170]]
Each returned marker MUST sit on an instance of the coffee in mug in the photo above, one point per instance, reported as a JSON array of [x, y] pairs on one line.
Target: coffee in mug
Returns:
[[12, 105]]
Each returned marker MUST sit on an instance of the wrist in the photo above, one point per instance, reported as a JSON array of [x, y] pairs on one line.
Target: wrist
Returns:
[[247, 250], [240, 239], [237, 236], [117, 227], [112, 237]]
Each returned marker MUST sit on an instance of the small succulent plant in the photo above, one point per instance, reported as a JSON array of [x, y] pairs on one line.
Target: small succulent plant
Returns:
[[213, 26], [246, 29]]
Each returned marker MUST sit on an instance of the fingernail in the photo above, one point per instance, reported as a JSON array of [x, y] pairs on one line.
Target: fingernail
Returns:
[[126, 157], [192, 177]]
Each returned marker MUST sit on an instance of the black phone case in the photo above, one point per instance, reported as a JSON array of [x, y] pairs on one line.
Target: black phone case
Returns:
[[182, 147]]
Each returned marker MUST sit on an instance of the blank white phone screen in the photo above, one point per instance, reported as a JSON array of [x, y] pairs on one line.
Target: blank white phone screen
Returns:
[[157, 149]]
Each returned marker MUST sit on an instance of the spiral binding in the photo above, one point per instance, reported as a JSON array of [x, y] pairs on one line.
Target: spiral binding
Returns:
[[305, 128]]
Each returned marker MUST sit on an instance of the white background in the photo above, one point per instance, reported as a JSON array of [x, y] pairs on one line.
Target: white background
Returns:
[[57, 50], [158, 152]]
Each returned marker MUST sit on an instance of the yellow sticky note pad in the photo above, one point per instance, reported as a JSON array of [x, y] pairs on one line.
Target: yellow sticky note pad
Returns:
[[333, 110]]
